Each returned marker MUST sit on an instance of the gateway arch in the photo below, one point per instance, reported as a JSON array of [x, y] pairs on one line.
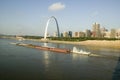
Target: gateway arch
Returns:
[[46, 28]]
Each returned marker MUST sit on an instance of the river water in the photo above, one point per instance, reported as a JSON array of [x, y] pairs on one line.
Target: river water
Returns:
[[22, 63]]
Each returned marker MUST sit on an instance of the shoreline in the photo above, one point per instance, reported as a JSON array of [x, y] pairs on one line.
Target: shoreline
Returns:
[[115, 44], [92, 43]]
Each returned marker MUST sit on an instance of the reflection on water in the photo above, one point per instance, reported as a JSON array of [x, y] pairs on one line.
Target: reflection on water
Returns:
[[46, 60], [21, 63], [105, 51], [45, 44], [116, 74], [78, 56]]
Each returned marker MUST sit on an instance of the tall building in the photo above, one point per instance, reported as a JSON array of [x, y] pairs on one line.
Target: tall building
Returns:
[[96, 30]]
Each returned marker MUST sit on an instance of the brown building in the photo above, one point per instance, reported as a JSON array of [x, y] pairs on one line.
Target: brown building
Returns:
[[79, 34]]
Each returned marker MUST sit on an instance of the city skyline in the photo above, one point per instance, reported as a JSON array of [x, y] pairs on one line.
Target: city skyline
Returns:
[[29, 17]]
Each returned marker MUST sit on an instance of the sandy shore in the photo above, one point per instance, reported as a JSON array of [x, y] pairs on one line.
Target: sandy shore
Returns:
[[95, 43], [102, 43]]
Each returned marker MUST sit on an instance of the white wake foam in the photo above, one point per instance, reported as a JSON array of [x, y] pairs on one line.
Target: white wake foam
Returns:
[[79, 51]]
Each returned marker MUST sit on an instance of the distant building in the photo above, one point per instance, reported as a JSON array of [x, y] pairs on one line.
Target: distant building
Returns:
[[103, 30], [79, 34], [61, 34], [55, 34], [113, 33], [70, 34], [88, 33], [65, 34], [118, 33], [106, 34], [76, 34], [96, 30]]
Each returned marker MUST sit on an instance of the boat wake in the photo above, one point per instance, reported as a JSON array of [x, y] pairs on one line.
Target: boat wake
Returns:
[[80, 51]]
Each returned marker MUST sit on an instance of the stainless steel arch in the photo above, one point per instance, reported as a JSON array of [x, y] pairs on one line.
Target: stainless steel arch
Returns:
[[45, 34]]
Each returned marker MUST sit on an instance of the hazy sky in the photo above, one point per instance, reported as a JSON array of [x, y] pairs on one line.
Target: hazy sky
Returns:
[[29, 17]]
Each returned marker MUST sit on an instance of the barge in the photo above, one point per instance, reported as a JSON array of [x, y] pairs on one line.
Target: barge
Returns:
[[45, 48], [53, 49]]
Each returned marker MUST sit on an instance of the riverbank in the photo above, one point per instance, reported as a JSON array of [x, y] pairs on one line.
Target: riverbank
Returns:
[[102, 43], [94, 43]]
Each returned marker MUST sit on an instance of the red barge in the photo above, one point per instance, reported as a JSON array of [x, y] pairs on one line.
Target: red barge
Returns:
[[45, 48]]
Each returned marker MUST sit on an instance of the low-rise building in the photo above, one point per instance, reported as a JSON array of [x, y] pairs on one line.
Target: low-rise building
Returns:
[[70, 34], [88, 33], [55, 34], [106, 34], [65, 34], [113, 33], [118, 33], [79, 34]]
